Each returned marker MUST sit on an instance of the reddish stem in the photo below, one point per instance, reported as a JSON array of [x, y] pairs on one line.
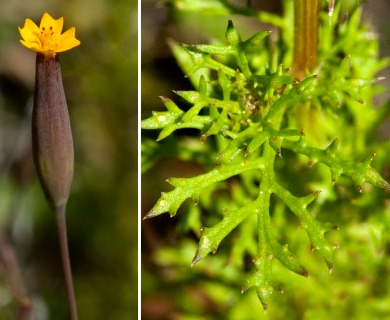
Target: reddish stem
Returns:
[[63, 238]]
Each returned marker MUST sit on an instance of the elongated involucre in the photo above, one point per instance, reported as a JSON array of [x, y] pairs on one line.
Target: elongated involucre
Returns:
[[51, 131]]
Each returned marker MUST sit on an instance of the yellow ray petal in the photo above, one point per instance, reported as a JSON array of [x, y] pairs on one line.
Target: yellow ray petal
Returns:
[[67, 40], [30, 31], [47, 21]]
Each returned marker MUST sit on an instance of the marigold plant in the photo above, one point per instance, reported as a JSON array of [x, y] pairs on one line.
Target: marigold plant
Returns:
[[52, 140], [281, 131]]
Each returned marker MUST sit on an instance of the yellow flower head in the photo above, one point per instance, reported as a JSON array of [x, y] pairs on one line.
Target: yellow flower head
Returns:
[[48, 38]]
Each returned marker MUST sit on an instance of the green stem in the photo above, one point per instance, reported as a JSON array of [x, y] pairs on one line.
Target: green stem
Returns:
[[305, 36], [263, 214], [191, 187], [63, 238]]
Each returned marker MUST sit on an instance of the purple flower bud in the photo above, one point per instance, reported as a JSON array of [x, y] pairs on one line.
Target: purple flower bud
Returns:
[[51, 131]]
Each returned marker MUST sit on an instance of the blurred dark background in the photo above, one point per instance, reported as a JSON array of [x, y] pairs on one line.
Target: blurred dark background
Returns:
[[100, 80]]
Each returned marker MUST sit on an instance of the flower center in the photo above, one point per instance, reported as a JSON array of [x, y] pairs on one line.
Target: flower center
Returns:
[[46, 34]]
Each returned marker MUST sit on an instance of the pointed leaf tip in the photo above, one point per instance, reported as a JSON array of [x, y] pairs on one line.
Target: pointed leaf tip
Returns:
[[385, 185], [244, 288], [317, 193], [164, 99], [149, 215], [196, 259], [304, 273], [265, 308], [332, 148], [330, 267], [278, 287]]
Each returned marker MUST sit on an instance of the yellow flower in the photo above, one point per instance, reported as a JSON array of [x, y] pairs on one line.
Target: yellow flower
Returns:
[[48, 38]]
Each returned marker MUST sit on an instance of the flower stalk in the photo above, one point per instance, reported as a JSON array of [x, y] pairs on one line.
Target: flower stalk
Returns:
[[63, 238], [51, 130]]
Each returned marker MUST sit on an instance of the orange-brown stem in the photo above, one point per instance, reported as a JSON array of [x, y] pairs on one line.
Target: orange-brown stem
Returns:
[[305, 36]]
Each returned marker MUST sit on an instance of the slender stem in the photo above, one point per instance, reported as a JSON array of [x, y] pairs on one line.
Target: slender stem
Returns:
[[11, 268], [305, 36], [63, 238]]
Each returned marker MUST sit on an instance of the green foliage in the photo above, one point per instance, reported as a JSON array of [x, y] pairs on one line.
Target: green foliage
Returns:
[[264, 130]]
